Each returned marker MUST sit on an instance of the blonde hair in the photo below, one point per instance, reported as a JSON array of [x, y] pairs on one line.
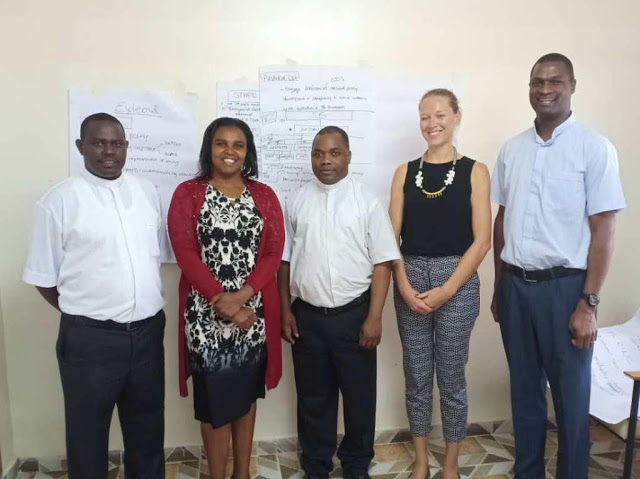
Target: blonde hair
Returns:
[[453, 99]]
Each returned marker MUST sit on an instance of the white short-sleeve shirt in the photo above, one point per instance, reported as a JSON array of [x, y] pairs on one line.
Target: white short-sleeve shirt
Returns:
[[549, 189], [100, 242], [335, 236]]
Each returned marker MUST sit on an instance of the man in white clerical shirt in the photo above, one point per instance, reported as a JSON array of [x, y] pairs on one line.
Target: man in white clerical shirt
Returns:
[[94, 255], [337, 266]]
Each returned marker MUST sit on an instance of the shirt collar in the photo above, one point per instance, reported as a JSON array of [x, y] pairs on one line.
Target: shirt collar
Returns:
[[561, 128], [334, 187], [97, 181]]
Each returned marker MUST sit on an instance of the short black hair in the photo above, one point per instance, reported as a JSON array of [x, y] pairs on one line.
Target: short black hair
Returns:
[[98, 117], [250, 166], [555, 57], [333, 129]]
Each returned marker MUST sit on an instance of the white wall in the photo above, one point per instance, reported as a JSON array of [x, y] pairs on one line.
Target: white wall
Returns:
[[489, 46]]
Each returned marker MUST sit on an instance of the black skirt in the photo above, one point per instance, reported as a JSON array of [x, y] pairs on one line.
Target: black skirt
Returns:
[[224, 396]]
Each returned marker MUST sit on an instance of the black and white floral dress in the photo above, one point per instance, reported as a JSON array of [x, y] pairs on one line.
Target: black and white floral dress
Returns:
[[227, 363]]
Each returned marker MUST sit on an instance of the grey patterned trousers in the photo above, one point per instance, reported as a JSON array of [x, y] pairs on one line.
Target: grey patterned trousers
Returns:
[[439, 340]]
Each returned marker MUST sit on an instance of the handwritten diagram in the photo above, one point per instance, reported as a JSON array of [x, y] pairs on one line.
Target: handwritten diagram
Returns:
[[616, 350], [295, 103]]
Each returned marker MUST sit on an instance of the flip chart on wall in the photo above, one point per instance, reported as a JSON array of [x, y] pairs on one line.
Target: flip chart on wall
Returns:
[[296, 102], [616, 350], [291, 103], [161, 129]]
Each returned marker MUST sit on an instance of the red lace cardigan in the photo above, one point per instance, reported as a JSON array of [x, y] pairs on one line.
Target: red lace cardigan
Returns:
[[182, 223]]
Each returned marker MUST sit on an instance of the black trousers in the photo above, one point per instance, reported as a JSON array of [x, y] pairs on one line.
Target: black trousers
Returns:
[[103, 364], [328, 359]]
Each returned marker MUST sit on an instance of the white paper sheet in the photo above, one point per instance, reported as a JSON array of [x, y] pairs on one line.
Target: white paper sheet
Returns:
[[616, 350], [296, 102], [161, 129], [242, 101]]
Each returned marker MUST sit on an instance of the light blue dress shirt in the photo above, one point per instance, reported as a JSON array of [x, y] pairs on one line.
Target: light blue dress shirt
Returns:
[[549, 189]]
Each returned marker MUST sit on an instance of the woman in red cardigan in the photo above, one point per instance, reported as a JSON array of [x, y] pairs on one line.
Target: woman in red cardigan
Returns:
[[227, 234]]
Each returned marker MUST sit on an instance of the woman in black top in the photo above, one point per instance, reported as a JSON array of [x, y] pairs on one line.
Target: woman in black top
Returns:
[[441, 215]]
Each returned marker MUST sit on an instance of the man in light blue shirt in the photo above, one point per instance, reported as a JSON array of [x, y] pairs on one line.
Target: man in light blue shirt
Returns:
[[559, 190]]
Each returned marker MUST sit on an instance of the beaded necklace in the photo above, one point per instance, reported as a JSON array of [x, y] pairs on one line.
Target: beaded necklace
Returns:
[[451, 174]]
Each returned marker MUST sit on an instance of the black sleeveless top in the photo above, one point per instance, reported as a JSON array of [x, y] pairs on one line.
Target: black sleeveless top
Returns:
[[437, 226]]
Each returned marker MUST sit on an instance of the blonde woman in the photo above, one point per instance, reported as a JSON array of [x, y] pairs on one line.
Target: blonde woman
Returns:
[[441, 216]]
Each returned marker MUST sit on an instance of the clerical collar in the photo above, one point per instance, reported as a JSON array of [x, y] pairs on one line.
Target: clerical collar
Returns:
[[561, 128], [322, 187], [96, 180]]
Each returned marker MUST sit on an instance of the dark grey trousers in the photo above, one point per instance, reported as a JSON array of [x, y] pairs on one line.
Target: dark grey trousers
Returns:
[[534, 321]]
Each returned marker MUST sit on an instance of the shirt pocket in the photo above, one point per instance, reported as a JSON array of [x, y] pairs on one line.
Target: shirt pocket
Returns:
[[349, 229], [151, 228], [564, 195]]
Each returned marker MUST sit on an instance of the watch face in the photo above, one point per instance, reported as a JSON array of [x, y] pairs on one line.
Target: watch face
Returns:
[[593, 299]]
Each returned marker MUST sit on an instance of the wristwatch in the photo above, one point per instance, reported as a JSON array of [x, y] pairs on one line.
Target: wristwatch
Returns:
[[592, 299]]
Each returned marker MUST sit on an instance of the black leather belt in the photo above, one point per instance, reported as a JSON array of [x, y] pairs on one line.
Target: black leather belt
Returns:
[[109, 323], [540, 275], [364, 298]]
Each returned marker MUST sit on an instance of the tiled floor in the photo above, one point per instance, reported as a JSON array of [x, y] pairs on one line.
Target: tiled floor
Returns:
[[487, 452]]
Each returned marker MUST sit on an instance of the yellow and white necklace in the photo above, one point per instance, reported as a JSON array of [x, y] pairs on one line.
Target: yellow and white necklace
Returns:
[[451, 174]]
